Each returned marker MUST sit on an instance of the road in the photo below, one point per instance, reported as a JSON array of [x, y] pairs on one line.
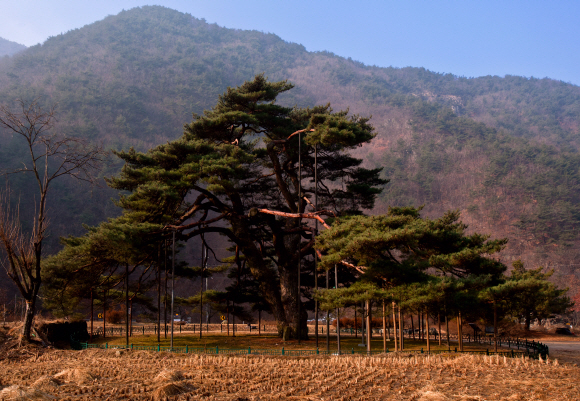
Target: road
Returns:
[[565, 351]]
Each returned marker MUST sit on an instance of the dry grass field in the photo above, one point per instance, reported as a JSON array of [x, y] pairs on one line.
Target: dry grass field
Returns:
[[140, 375]]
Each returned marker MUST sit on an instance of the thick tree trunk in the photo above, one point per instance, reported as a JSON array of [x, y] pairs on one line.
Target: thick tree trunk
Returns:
[[31, 296], [292, 316], [280, 290], [29, 318], [528, 321]]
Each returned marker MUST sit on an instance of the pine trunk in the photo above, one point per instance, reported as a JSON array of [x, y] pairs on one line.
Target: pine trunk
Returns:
[[384, 328], [395, 326], [427, 335], [401, 343], [439, 323], [495, 325]]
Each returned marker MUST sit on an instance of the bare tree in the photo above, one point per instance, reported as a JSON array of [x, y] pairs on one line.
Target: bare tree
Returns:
[[50, 156]]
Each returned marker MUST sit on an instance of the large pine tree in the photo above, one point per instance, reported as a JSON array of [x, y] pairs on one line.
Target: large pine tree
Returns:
[[239, 161]]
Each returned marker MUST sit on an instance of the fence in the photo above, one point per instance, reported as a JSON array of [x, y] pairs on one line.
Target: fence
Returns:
[[530, 347], [181, 328], [311, 352]]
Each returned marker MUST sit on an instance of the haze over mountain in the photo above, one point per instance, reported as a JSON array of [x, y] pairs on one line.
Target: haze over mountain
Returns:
[[8, 48], [502, 150]]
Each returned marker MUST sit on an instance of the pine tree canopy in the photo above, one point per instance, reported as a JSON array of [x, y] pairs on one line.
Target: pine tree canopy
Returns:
[[401, 247], [236, 162]]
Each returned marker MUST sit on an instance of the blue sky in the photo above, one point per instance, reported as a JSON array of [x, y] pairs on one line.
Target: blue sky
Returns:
[[466, 38]]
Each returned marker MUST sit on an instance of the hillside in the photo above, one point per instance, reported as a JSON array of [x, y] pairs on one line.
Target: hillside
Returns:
[[8, 48], [502, 150]]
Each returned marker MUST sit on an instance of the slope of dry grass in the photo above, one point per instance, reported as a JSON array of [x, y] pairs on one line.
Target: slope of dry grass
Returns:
[[116, 375]]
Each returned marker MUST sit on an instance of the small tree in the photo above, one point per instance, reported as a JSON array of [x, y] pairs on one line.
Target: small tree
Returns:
[[532, 296], [50, 157]]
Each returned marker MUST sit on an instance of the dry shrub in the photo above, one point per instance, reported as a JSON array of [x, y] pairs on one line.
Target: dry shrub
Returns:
[[16, 329], [169, 390], [18, 393], [78, 376], [115, 316], [46, 381], [432, 396], [429, 393], [168, 375]]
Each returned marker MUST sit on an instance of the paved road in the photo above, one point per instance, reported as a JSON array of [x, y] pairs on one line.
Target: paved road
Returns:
[[563, 345], [564, 351]]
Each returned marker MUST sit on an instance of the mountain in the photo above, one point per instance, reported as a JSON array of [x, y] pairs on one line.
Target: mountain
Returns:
[[8, 48], [503, 150]]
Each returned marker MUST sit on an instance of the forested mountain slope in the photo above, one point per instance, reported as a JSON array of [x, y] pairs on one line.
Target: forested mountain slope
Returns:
[[502, 150], [8, 48]]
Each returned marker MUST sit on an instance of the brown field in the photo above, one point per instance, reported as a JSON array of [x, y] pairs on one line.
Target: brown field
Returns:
[[140, 375]]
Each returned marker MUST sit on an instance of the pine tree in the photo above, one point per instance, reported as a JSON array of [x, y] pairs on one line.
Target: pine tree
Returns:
[[238, 164], [530, 295]]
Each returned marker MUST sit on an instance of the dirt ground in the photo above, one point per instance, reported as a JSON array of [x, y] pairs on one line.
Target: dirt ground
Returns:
[[140, 375]]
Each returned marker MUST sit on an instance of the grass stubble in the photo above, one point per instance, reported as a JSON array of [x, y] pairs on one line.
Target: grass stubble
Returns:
[[142, 375]]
